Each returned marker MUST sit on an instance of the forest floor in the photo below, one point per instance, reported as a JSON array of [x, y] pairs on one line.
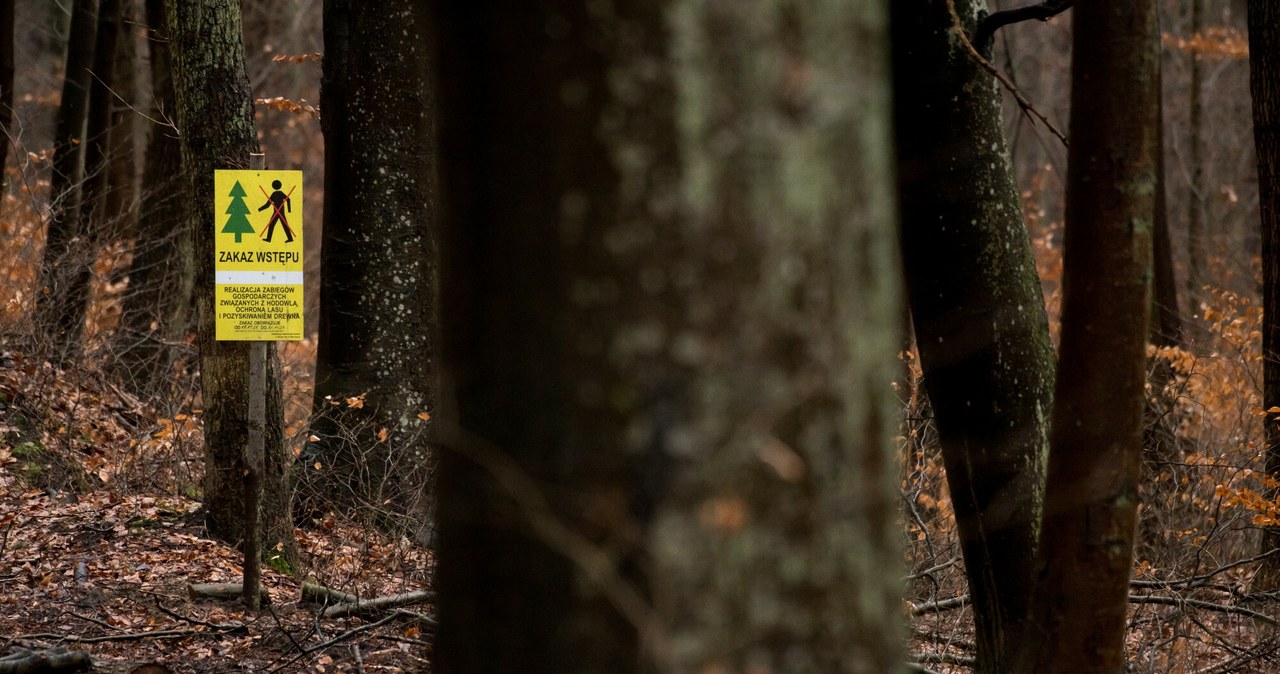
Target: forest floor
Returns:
[[97, 549]]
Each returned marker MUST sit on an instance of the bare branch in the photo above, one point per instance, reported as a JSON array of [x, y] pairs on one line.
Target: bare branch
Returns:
[[1027, 107], [984, 35], [1206, 605]]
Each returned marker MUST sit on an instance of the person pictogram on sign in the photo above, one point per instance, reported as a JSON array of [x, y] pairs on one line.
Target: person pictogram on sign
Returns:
[[280, 203]]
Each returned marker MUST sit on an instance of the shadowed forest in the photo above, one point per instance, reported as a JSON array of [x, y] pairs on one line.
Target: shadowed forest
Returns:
[[930, 336]]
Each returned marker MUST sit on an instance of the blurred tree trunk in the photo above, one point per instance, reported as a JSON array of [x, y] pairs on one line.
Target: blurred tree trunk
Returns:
[[1160, 439], [78, 273], [215, 120], [156, 315], [64, 253], [1166, 324], [378, 332], [672, 285], [120, 212], [1264, 81], [1078, 615], [978, 310], [1197, 237], [6, 88]]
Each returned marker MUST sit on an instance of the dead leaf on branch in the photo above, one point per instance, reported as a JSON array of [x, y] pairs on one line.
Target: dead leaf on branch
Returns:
[[282, 104]]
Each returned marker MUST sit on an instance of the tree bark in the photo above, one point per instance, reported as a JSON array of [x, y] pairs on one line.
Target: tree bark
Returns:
[[215, 120], [378, 324], [1078, 615], [64, 253], [978, 311], [1264, 84], [672, 283], [156, 313]]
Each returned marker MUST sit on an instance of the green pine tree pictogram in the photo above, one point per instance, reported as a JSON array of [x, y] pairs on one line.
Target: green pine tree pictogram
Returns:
[[238, 224]]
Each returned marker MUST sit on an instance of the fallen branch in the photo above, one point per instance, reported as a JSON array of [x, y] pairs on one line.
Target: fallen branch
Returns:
[[1206, 605], [939, 606], [366, 606], [223, 592], [127, 636], [943, 659], [226, 627], [24, 661], [963, 600], [314, 593], [338, 639]]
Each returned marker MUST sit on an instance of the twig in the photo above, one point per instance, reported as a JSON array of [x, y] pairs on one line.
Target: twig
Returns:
[[404, 640], [420, 617], [341, 637], [1260, 651], [280, 626], [931, 570], [984, 35], [231, 627], [127, 636], [355, 651], [1206, 605], [1202, 580], [91, 619], [1027, 107], [944, 658]]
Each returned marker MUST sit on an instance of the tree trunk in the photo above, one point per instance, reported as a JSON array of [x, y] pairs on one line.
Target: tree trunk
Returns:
[[6, 87], [378, 326], [64, 253], [1166, 324], [1197, 237], [672, 284], [156, 314], [1264, 81], [978, 311], [120, 212], [1078, 614], [1160, 433], [78, 273], [215, 120]]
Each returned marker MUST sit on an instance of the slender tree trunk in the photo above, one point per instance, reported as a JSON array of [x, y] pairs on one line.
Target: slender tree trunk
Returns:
[[156, 314], [672, 283], [215, 120], [1166, 325], [1264, 83], [63, 252], [1079, 613], [83, 249], [120, 209], [978, 311], [378, 333], [1197, 237], [1160, 438], [6, 88]]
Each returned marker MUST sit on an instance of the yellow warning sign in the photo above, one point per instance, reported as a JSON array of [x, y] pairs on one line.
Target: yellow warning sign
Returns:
[[257, 231]]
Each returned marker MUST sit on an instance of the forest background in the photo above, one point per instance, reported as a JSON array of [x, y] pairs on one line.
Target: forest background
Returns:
[[100, 481]]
